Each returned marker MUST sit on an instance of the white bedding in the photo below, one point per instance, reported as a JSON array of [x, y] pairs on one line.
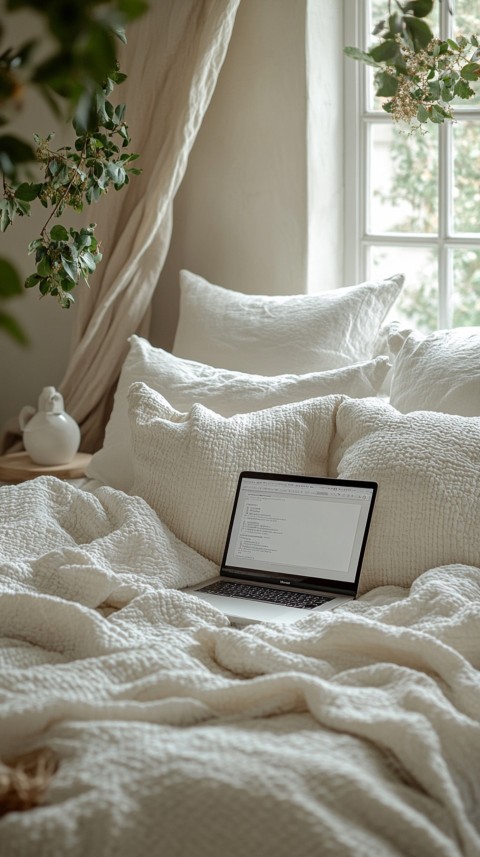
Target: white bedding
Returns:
[[353, 733]]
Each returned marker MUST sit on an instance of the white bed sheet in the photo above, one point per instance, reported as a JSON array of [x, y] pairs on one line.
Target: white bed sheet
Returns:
[[353, 733]]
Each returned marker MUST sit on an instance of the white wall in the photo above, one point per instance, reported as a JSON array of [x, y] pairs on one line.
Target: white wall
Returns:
[[240, 215], [243, 217], [260, 207]]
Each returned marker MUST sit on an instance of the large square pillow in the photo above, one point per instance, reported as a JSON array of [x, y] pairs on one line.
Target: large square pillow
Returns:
[[439, 372], [427, 466], [272, 335], [185, 382], [187, 465]]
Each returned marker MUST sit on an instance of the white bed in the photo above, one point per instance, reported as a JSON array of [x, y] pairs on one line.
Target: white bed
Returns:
[[167, 731]]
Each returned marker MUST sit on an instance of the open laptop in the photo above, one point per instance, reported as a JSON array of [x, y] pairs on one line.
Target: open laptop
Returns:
[[294, 544]]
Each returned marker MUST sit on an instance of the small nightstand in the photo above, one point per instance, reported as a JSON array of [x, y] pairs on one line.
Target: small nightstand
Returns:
[[18, 467]]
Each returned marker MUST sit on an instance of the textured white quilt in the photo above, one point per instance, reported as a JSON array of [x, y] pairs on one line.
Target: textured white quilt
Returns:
[[352, 733]]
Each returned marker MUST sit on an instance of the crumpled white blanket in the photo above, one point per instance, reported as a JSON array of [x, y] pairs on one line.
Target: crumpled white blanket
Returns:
[[355, 732]]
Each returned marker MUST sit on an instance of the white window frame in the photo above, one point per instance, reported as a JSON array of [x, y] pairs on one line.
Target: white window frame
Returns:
[[358, 118]]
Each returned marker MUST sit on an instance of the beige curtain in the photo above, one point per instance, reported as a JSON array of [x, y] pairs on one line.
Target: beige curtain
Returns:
[[173, 57]]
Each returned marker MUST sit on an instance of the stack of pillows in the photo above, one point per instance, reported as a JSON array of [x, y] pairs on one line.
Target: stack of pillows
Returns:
[[292, 384]]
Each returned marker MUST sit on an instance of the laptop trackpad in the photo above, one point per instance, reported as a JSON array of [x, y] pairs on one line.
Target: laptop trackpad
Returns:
[[245, 610]]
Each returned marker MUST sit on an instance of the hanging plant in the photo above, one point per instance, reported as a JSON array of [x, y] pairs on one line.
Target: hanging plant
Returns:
[[76, 80], [417, 74], [72, 177]]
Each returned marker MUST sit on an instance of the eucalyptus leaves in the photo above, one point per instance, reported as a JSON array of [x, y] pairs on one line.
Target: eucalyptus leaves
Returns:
[[72, 176], [62, 258], [417, 74], [76, 76]]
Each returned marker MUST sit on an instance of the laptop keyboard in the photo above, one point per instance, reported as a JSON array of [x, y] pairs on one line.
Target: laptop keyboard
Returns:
[[286, 598]]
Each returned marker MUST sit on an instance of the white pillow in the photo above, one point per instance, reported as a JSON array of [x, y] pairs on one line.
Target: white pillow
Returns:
[[277, 334], [187, 465], [426, 464], [439, 372], [184, 382]]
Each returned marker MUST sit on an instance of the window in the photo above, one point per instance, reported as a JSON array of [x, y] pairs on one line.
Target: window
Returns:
[[413, 200]]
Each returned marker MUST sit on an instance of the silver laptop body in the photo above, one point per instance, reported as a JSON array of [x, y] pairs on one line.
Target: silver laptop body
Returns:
[[294, 544]]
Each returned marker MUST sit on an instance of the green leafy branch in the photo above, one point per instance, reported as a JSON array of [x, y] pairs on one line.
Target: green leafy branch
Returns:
[[73, 176], [419, 75], [75, 79], [63, 257]]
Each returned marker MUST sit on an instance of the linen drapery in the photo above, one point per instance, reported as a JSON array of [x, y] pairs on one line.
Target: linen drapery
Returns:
[[172, 59]]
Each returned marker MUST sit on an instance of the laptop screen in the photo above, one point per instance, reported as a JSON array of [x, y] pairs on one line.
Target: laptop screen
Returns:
[[299, 530]]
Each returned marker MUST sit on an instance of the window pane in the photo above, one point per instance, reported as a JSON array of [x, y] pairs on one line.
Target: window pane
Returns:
[[466, 288], [466, 168], [465, 18], [403, 181], [466, 22], [378, 10], [417, 305]]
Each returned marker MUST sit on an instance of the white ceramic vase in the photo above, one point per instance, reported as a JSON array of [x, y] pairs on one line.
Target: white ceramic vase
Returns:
[[50, 436]]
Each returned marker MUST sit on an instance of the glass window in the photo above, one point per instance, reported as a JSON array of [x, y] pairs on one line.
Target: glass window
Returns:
[[413, 198], [418, 302], [466, 177], [466, 287], [403, 180]]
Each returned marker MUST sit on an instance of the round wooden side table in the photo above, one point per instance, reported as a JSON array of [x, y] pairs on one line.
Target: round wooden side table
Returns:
[[18, 467]]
